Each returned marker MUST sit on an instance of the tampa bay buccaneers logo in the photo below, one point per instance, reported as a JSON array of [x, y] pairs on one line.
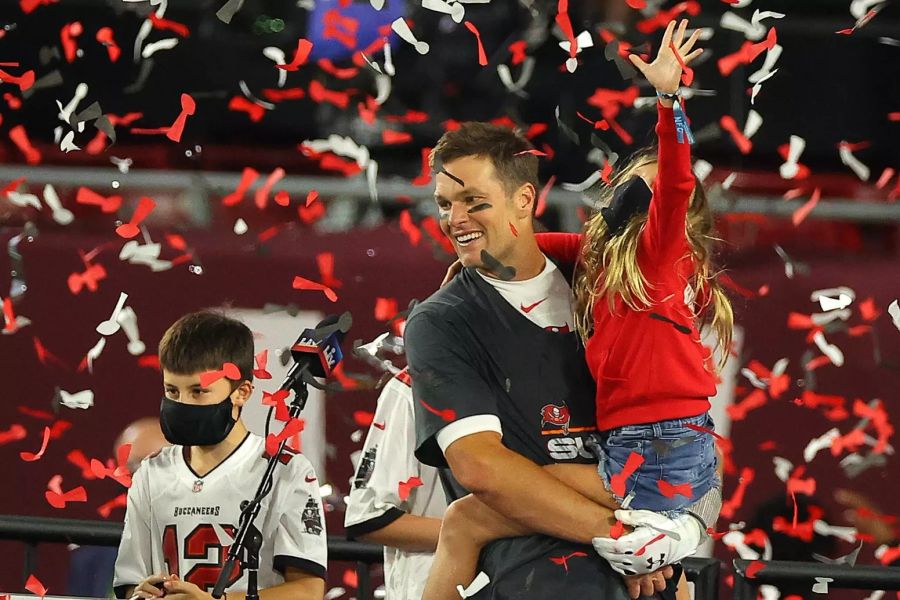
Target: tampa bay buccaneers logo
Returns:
[[556, 415]]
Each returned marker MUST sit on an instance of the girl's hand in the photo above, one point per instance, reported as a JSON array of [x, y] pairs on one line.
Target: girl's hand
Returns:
[[664, 73]]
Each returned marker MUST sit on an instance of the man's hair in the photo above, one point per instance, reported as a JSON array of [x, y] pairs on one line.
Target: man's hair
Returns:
[[204, 341], [507, 149]]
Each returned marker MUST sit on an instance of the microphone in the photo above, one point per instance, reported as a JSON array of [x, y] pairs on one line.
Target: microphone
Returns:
[[318, 351]]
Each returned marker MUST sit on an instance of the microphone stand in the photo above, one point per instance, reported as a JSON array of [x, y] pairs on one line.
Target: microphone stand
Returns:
[[247, 542]]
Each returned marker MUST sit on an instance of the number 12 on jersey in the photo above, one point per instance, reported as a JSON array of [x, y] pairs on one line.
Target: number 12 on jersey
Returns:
[[201, 544]]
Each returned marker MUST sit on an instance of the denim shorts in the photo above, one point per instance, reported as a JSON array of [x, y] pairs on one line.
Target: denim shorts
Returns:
[[680, 457]]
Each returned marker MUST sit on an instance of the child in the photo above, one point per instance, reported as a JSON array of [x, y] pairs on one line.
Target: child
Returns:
[[644, 265], [184, 504]]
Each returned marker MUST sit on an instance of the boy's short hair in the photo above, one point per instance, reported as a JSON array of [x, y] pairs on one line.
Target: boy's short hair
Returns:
[[507, 149], [204, 341]]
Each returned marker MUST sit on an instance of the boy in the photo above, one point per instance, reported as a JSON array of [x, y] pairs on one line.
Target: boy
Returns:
[[184, 503]]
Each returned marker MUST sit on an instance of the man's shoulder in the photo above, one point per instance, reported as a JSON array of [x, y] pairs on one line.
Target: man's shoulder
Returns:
[[450, 303]]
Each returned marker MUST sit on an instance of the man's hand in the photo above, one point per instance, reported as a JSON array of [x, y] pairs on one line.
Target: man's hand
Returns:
[[176, 589], [649, 584], [151, 587], [655, 542]]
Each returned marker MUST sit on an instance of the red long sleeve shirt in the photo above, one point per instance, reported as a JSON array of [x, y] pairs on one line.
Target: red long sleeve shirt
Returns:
[[649, 364]]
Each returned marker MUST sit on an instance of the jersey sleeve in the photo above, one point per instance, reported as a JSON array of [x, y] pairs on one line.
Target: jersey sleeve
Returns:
[[561, 246], [387, 459], [300, 540], [663, 240], [134, 563], [448, 382]]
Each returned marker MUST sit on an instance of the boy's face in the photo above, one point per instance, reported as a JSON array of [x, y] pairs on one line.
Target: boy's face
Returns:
[[187, 389]]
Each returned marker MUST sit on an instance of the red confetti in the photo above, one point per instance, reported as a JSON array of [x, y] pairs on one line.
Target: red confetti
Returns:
[[20, 138], [351, 579], [447, 414], [730, 506], [385, 309], [564, 560], [517, 49], [753, 568], [868, 310], [542, 197], [325, 262], [562, 20], [105, 37], [617, 530], [617, 481], [801, 213], [363, 418], [89, 279], [129, 230], [301, 283], [15, 433], [29, 6], [424, 177], [166, 25], [24, 81], [78, 458], [319, 93], [389, 136], [37, 414], [642, 549], [176, 130], [45, 355], [30, 456], [637, 4], [58, 428], [248, 176], [662, 18], [261, 361], [67, 36], [741, 141], [279, 95], [796, 484], [687, 73], [35, 586], [228, 370], [482, 57], [105, 510], [293, 427], [413, 233], [751, 401], [670, 491], [311, 214], [107, 204], [253, 110], [407, 486], [261, 198], [304, 47], [282, 413], [59, 500], [513, 229]]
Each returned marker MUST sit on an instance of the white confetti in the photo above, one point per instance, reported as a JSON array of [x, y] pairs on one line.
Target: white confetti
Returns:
[[759, 15], [83, 399], [848, 534], [826, 297], [277, 55], [401, 28], [757, 87], [789, 169], [517, 86], [62, 216], [752, 32], [240, 226], [153, 47], [480, 581], [584, 185], [754, 122], [822, 442], [894, 311], [456, 11], [821, 585], [65, 113], [128, 320], [830, 350], [94, 353], [783, 468], [111, 325], [225, 540], [861, 170], [24, 200]]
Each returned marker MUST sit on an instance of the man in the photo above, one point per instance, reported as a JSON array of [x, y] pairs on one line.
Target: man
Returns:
[[91, 567], [394, 499], [499, 376]]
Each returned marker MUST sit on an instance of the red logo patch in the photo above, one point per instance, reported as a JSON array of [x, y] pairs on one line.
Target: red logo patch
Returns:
[[556, 415]]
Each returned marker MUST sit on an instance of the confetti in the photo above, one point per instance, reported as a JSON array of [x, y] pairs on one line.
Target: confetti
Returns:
[[15, 433], [405, 487], [447, 414], [301, 54], [229, 370], [30, 456], [670, 491], [111, 325], [57, 499], [34, 585], [127, 318], [730, 506], [83, 399], [617, 481], [144, 208], [292, 428], [401, 28], [564, 560], [479, 583], [301, 283], [261, 197], [801, 213]]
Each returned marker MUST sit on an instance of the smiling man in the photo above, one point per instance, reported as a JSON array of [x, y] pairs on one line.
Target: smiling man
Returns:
[[499, 377]]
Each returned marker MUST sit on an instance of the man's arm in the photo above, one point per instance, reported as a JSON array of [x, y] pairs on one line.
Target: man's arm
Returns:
[[409, 532], [518, 488]]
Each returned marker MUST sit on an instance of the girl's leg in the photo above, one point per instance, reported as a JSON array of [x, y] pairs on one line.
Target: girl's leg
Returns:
[[468, 525]]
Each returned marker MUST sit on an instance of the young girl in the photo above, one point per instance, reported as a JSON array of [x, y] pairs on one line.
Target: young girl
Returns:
[[643, 288]]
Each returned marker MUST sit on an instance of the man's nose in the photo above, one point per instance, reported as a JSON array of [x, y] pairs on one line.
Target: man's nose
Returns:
[[459, 214]]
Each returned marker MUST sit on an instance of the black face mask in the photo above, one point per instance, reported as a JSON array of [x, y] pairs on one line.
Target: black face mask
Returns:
[[629, 198], [196, 425]]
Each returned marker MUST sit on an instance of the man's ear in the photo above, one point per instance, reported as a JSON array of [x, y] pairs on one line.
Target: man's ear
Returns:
[[242, 393], [526, 196]]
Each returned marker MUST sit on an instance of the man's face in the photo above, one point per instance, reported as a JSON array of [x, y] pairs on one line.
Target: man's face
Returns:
[[475, 211]]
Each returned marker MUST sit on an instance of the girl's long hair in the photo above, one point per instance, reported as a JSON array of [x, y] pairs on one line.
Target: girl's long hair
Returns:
[[608, 266]]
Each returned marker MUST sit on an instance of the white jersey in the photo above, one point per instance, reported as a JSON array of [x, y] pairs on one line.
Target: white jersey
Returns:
[[179, 523], [386, 460]]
